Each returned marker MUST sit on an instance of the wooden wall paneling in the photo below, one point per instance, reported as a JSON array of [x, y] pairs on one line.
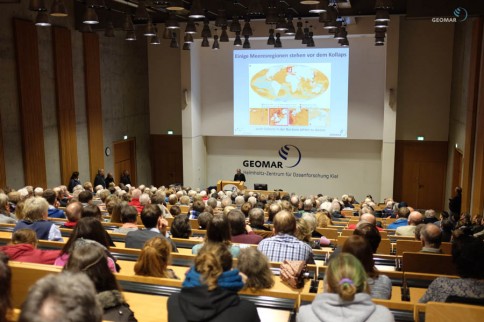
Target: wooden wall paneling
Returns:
[[30, 104], [125, 159], [66, 111], [166, 159], [3, 174], [477, 205], [92, 68], [469, 145]]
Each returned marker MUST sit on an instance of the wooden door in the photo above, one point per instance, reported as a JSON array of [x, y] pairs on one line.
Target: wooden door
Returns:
[[125, 159], [166, 159]]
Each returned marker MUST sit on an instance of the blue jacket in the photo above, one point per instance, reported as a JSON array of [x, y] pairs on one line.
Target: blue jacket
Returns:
[[398, 223]]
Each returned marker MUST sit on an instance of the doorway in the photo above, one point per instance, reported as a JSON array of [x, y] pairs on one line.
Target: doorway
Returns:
[[125, 159]]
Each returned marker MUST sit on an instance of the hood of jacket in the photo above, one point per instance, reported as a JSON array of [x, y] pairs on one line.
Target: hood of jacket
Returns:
[[330, 307], [200, 304], [110, 299], [15, 250]]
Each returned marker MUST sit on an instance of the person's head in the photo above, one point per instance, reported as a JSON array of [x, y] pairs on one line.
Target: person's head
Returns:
[[91, 211], [203, 219], [369, 218], [212, 202], [284, 223], [85, 196], [359, 247], [154, 258], [73, 211], [468, 256], [238, 171], [150, 216], [274, 208], [86, 228], [370, 233], [323, 219], [431, 236], [418, 231], [180, 227], [87, 186], [5, 287], [245, 208], [346, 277], [256, 217], [75, 175], [135, 194], [415, 218], [218, 230], [35, 209], [25, 236], [175, 210], [311, 220], [50, 196], [129, 214], [211, 261], [198, 206], [303, 230], [255, 266], [237, 222], [62, 297], [403, 212], [144, 199], [100, 172], [92, 260]]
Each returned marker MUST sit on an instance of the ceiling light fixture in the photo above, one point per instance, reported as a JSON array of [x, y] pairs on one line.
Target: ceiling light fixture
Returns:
[[90, 16], [196, 11], [235, 25], [237, 40], [172, 21], [175, 5], [271, 41], [205, 42], [174, 41], [278, 43], [190, 27], [42, 19], [216, 45], [149, 29], [58, 9], [141, 12], [224, 37], [130, 35], [246, 42]]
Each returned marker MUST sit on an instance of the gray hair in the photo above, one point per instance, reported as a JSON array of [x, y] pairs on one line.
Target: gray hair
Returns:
[[62, 297], [35, 208]]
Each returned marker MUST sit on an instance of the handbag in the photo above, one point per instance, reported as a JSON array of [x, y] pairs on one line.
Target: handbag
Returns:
[[292, 273]]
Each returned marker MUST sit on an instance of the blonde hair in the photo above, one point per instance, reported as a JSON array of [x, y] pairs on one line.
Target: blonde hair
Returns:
[[154, 258], [211, 261], [323, 220], [346, 277], [24, 236], [255, 265], [303, 230], [35, 208]]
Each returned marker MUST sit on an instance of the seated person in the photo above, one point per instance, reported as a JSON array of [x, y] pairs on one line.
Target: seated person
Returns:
[[154, 259], [197, 208], [180, 227], [414, 219], [431, 238], [62, 297], [218, 231], [468, 257], [155, 226], [346, 296], [93, 211], [175, 210], [380, 285], [366, 218], [51, 197], [92, 260], [256, 219], [241, 232], [73, 214], [210, 289], [203, 219], [5, 289], [129, 217], [255, 266], [35, 212], [402, 215], [24, 249], [6, 217]]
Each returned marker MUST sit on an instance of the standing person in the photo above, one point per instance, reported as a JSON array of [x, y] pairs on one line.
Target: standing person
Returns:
[[109, 179], [125, 179], [455, 203], [346, 296], [74, 181], [99, 180], [239, 176]]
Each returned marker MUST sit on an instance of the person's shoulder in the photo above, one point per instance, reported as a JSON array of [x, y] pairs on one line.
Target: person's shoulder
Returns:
[[381, 314], [306, 314]]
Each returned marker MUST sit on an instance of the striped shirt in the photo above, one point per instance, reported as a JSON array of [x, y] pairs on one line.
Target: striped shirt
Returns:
[[283, 246]]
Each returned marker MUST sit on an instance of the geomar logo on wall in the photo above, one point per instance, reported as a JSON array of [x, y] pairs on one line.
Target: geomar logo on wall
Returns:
[[289, 153], [289, 150]]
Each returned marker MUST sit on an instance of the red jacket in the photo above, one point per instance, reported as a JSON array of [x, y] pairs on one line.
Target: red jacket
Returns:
[[135, 203], [27, 253]]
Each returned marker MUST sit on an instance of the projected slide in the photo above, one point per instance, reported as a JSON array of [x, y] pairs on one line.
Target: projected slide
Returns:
[[293, 92]]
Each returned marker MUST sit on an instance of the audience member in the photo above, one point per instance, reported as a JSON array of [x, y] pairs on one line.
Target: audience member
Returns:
[[255, 266], [274, 208], [92, 260], [218, 232], [284, 245], [431, 237], [100, 180], [74, 181], [51, 197], [203, 219], [380, 285], [87, 231], [369, 218], [5, 289], [62, 297], [24, 249], [35, 212], [210, 289], [414, 219], [197, 208], [180, 227], [154, 259], [175, 210], [256, 219], [73, 214], [346, 296], [430, 216], [241, 232], [129, 218], [5, 216], [468, 257], [85, 198], [135, 195], [155, 226], [402, 216]]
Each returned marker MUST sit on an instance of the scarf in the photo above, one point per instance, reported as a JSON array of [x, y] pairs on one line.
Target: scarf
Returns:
[[229, 280]]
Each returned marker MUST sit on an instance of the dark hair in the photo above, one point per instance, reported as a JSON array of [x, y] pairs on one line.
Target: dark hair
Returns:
[[359, 247], [74, 175], [50, 196], [246, 207], [255, 266], [468, 256], [175, 210], [218, 230], [91, 211], [87, 228], [370, 233], [150, 215], [237, 222], [92, 260], [198, 206], [180, 227], [85, 196], [203, 219], [5, 287], [129, 214]]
